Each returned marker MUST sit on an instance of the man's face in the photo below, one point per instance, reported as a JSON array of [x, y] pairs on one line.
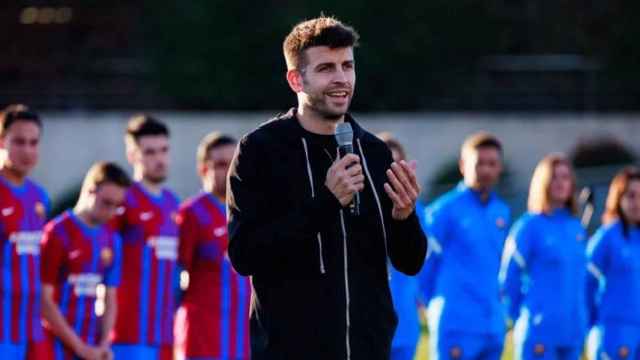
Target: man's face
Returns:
[[22, 145], [214, 170], [328, 81], [481, 168], [104, 201], [150, 156]]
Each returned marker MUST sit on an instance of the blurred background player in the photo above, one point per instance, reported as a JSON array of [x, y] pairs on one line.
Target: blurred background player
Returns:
[[466, 229], [23, 210], [405, 290], [79, 253], [146, 300], [544, 272], [213, 319], [614, 281]]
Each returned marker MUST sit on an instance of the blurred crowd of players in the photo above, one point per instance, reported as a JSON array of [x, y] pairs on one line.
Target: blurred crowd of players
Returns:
[[132, 273]]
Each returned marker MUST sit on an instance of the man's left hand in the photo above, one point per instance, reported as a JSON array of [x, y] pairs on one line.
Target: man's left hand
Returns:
[[403, 188]]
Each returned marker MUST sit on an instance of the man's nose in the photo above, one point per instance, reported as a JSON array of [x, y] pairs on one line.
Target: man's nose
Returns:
[[340, 76]]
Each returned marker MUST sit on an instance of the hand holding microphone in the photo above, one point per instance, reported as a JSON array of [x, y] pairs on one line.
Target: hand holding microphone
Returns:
[[345, 178]]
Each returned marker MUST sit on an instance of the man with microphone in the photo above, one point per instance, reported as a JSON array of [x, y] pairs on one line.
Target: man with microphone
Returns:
[[319, 255]]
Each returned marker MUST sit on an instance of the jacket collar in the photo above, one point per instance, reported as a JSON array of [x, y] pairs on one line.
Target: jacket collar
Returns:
[[475, 195], [292, 121]]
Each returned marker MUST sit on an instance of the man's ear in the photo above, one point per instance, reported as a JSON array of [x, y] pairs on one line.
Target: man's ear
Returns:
[[131, 154], [294, 78], [202, 169]]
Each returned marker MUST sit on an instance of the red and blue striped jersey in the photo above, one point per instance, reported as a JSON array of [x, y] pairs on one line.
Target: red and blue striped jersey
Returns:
[[23, 212], [146, 297], [213, 319], [76, 258]]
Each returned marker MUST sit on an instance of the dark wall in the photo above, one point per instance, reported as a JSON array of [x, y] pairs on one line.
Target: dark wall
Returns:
[[416, 55]]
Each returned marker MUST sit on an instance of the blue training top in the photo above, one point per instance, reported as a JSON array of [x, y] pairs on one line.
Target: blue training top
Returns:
[[460, 276], [614, 285], [543, 277]]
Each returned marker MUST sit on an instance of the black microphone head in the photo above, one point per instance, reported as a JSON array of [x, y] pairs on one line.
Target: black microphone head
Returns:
[[344, 134]]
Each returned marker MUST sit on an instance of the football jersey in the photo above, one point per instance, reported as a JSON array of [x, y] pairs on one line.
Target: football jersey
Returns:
[[76, 258], [23, 212], [146, 297], [213, 318]]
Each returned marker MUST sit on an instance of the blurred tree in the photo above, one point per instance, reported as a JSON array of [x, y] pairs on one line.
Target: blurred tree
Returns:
[[215, 54], [601, 151]]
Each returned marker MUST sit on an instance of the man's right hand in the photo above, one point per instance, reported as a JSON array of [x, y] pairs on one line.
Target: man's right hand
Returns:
[[88, 352], [345, 178]]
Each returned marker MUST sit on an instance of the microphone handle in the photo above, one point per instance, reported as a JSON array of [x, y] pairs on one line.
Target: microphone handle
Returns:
[[354, 207]]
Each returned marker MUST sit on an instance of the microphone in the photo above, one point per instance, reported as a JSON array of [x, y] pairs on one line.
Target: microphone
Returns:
[[344, 138]]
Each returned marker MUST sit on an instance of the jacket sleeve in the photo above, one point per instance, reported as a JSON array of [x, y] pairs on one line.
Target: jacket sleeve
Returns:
[[597, 267], [515, 259], [258, 237]]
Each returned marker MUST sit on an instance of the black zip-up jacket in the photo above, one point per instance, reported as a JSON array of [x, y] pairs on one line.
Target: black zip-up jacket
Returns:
[[319, 275]]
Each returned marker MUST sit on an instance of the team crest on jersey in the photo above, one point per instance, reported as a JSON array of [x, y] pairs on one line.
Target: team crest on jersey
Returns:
[[501, 223], [455, 352], [538, 349], [106, 256], [623, 352], [40, 210]]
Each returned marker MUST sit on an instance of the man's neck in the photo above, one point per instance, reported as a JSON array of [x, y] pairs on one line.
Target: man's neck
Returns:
[[483, 193], [314, 123], [152, 187], [208, 188], [11, 176], [83, 214]]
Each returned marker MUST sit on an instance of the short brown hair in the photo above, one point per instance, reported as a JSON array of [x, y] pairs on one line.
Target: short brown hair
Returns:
[[14, 113], [479, 140], [212, 141], [618, 187], [321, 31], [144, 125], [539, 197], [106, 172], [393, 143]]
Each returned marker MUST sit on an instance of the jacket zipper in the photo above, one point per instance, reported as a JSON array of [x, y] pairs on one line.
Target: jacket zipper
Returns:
[[346, 286], [313, 195], [322, 269]]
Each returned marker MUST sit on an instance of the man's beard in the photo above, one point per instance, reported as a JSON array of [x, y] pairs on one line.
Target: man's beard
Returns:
[[319, 105], [155, 179]]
